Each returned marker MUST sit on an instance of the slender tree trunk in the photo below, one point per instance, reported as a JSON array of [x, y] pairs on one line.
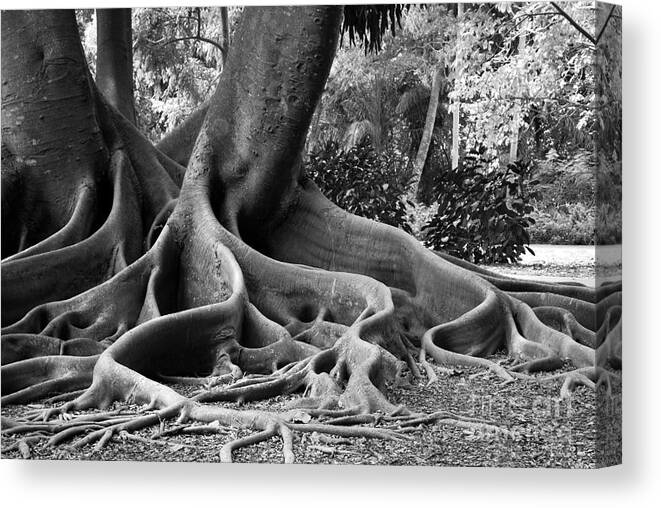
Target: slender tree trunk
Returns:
[[514, 143], [313, 134], [114, 63], [456, 105], [455, 134], [224, 19], [428, 131], [377, 114]]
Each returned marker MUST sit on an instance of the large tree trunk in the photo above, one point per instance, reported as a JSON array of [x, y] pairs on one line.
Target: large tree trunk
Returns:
[[45, 91], [122, 274], [114, 59], [260, 115], [78, 196]]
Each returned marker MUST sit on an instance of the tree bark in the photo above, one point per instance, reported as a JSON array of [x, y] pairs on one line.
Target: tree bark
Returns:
[[514, 143], [49, 131], [456, 104], [114, 59], [179, 142], [428, 132], [244, 268], [259, 117], [224, 16]]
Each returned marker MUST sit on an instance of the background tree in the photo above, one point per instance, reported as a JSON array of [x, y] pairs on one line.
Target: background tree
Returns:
[[114, 63], [124, 271], [178, 53], [525, 61]]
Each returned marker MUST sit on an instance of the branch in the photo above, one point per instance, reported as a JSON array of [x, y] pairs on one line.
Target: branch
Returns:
[[196, 38], [574, 23], [603, 28], [594, 40], [558, 100]]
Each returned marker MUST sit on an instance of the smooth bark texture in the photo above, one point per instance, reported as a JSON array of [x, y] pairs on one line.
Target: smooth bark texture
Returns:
[[456, 104], [262, 110], [514, 143], [114, 59], [122, 274], [428, 132], [224, 17]]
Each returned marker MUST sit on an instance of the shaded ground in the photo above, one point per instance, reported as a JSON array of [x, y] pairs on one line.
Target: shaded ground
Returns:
[[543, 431]]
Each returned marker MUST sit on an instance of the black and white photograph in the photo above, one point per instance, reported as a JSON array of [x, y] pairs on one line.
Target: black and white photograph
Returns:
[[376, 235]]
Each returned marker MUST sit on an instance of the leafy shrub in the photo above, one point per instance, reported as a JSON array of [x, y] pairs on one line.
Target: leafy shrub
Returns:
[[609, 183], [608, 224], [568, 224], [580, 201], [419, 215], [609, 202], [363, 182], [482, 215], [570, 180]]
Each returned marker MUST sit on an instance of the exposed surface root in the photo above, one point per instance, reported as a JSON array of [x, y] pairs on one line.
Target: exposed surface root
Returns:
[[203, 308], [98, 429], [591, 377], [244, 327], [450, 358], [128, 271], [456, 310], [538, 365]]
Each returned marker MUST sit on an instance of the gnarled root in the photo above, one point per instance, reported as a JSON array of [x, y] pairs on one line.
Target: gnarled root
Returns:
[[337, 316], [122, 271], [202, 303], [113, 380], [591, 377], [456, 311]]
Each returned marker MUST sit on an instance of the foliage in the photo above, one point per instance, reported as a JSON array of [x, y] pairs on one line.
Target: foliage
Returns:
[[362, 182], [569, 180], [358, 95], [609, 182], [579, 200], [520, 71], [368, 23], [530, 71], [482, 215], [369, 86], [177, 60], [577, 224], [608, 224], [419, 214], [567, 224]]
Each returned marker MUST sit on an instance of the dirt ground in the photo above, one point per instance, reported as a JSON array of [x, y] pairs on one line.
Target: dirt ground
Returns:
[[542, 431]]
